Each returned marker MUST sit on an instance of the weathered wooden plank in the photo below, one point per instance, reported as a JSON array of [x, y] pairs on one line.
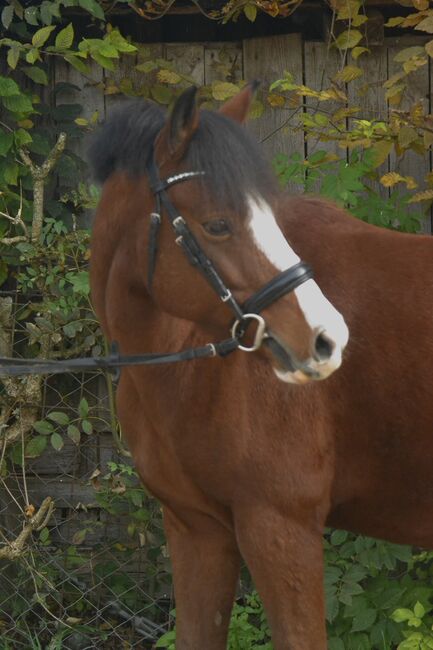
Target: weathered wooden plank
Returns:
[[418, 90], [67, 491], [89, 88], [223, 62], [188, 59], [368, 93], [321, 64], [266, 59]]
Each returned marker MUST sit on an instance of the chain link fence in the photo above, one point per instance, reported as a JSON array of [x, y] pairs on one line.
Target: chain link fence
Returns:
[[83, 561]]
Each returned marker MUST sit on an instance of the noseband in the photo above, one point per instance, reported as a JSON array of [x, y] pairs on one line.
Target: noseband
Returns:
[[280, 285]]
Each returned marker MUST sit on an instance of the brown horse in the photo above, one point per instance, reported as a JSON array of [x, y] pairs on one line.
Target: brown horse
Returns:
[[245, 462]]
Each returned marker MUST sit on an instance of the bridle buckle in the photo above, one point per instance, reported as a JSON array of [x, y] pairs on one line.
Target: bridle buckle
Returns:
[[259, 335]]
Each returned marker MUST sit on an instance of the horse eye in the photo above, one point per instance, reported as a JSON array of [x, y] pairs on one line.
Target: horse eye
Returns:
[[217, 227]]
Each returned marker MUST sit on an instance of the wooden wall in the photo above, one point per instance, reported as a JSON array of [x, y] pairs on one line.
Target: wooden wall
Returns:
[[266, 59]]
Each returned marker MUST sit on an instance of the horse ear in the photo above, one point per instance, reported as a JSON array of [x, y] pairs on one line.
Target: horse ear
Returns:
[[181, 124], [237, 108]]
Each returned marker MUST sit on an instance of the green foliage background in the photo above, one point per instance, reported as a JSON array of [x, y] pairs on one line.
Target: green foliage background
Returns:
[[378, 595]]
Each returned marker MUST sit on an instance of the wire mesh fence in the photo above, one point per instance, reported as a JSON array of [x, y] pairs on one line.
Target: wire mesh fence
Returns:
[[83, 561]]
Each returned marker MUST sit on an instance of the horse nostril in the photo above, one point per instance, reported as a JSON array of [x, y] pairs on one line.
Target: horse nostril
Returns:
[[323, 347]]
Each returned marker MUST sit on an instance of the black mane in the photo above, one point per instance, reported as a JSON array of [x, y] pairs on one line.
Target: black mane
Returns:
[[233, 163]]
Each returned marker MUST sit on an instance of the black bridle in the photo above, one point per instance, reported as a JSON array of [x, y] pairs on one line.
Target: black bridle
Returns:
[[280, 285], [283, 283]]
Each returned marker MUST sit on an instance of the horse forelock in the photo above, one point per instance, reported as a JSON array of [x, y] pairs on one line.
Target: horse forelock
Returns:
[[233, 165]]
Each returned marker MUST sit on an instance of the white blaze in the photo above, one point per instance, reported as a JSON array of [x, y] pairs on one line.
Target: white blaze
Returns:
[[317, 310]]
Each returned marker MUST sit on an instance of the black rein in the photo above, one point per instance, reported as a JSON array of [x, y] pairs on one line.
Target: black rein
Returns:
[[280, 285]]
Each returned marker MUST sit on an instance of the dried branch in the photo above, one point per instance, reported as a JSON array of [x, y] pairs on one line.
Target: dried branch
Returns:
[[39, 174], [15, 549]]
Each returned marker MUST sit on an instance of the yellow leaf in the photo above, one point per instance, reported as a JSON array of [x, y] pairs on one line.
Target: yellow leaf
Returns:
[[408, 53], [411, 183], [417, 114], [359, 20], [348, 39], [414, 64], [426, 195], [256, 109], [411, 20], [421, 5], [391, 178], [348, 10], [305, 91], [81, 121], [26, 124], [426, 25], [168, 76], [381, 150], [394, 22], [406, 135], [357, 51], [348, 73], [251, 12], [428, 141], [222, 90], [111, 90], [429, 48], [344, 112], [276, 100]]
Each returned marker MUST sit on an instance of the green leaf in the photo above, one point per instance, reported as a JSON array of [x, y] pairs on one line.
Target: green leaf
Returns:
[[79, 536], [33, 55], [363, 620], [338, 537], [419, 610], [44, 535], [162, 94], [103, 61], [10, 174], [36, 74], [65, 38], [31, 16], [108, 50], [41, 36], [8, 87], [35, 446], [93, 8], [87, 426], [42, 426], [6, 141], [83, 407], [13, 57], [57, 441], [402, 614], [4, 272], [77, 63], [18, 104], [7, 16], [59, 417], [74, 434], [146, 66], [22, 137]]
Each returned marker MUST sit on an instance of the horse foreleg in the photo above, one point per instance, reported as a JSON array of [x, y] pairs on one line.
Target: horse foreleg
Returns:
[[285, 559], [206, 563]]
